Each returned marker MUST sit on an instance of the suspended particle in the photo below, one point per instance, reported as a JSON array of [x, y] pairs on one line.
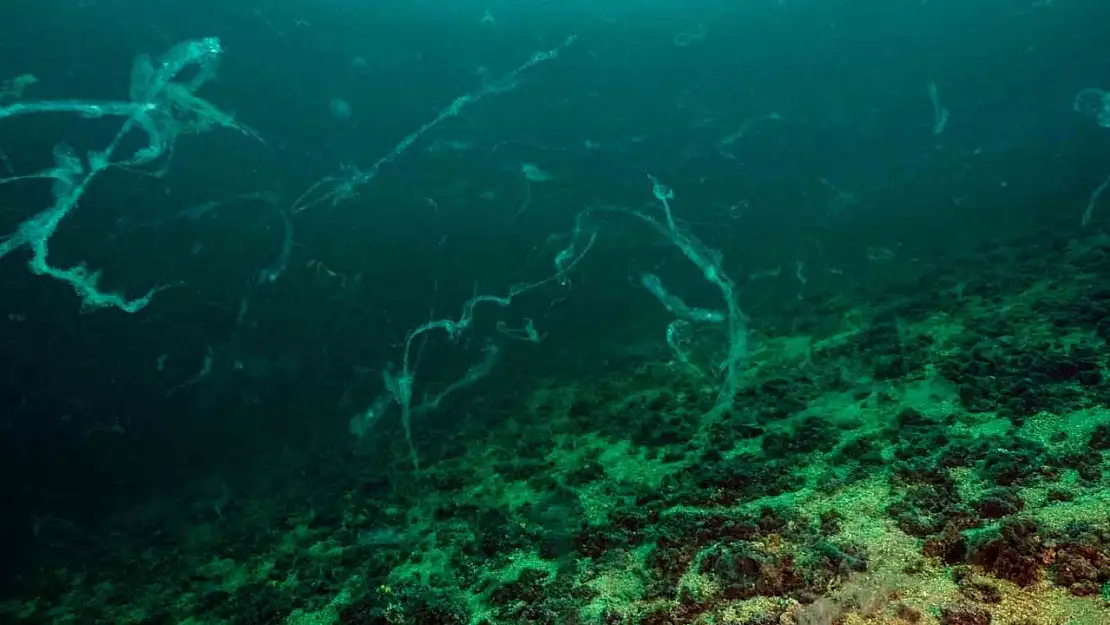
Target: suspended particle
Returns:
[[339, 109], [1094, 102], [535, 174]]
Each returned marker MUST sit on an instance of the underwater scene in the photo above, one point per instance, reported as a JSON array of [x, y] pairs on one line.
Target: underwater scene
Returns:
[[542, 312]]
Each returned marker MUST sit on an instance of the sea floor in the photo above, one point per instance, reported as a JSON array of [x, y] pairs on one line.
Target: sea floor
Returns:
[[939, 454]]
